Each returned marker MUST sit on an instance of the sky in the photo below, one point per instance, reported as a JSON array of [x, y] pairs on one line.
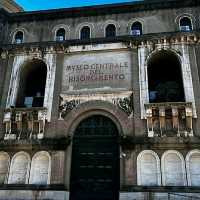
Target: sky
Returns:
[[30, 5]]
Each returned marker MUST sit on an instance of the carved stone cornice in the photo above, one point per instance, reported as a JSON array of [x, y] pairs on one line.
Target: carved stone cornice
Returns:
[[178, 37], [169, 105], [99, 10], [170, 38], [123, 101], [30, 144]]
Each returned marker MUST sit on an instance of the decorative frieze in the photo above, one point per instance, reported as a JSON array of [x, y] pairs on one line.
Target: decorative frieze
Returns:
[[24, 123], [126, 104], [67, 106], [123, 100]]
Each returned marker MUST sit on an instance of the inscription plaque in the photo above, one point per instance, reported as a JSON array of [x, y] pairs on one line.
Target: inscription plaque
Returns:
[[174, 171], [39, 171], [149, 170], [18, 172], [97, 70], [195, 170]]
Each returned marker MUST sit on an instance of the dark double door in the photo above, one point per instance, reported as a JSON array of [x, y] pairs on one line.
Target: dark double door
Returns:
[[95, 160]]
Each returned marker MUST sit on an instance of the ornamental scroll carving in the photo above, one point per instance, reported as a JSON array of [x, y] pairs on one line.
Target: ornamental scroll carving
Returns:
[[68, 103], [66, 106], [125, 104]]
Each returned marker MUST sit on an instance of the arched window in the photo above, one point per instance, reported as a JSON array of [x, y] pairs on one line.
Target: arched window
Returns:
[[110, 31], [4, 165], [173, 169], [32, 83], [136, 28], [185, 24], [40, 169], [148, 168], [60, 34], [19, 37], [193, 168], [85, 33], [19, 169], [165, 78]]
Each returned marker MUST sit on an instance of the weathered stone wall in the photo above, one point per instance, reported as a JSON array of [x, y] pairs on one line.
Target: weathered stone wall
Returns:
[[153, 22], [157, 196], [55, 195], [107, 79], [30, 195]]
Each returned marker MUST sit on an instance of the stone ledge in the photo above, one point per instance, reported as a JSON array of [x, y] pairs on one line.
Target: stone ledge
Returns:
[[160, 189], [97, 10], [160, 142], [44, 144], [30, 195], [193, 36], [52, 187]]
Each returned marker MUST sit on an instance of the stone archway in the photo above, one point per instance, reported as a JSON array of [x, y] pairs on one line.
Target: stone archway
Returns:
[[165, 80], [95, 160], [32, 83]]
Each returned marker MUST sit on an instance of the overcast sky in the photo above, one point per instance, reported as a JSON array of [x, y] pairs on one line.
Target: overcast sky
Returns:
[[29, 5]]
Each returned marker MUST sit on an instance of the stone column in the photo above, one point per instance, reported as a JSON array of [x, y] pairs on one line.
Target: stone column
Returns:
[[187, 77], [143, 79], [50, 60]]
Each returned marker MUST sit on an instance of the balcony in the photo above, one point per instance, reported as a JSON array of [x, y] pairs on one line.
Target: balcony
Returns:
[[169, 119], [136, 32], [185, 28], [24, 123]]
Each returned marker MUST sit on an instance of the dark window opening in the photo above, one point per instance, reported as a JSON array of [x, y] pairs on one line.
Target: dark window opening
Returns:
[[185, 24], [19, 36], [136, 28], [111, 30], [165, 78], [32, 84], [85, 33], [60, 34]]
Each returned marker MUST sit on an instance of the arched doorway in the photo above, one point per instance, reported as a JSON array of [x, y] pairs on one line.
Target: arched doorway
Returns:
[[95, 160]]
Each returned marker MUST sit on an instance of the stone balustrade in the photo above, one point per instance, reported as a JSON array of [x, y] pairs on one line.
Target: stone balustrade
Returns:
[[24, 123], [169, 119]]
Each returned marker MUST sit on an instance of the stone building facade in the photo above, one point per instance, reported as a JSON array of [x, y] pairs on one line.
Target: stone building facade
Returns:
[[101, 102]]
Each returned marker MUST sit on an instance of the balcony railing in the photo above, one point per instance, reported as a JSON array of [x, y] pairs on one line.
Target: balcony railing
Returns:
[[169, 119], [24, 123]]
